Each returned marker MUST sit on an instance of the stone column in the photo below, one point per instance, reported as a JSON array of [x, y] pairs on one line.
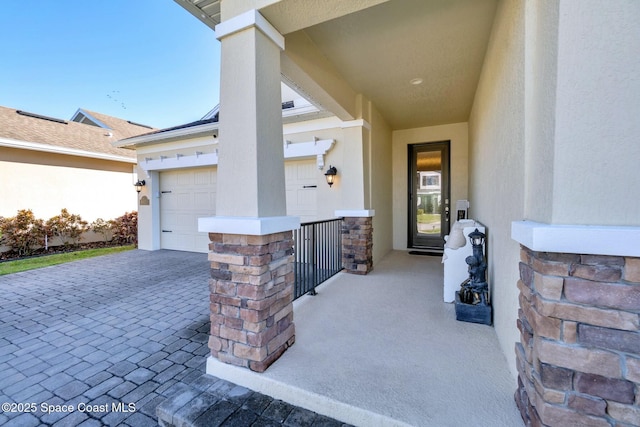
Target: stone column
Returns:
[[357, 241], [579, 356], [251, 298], [251, 243]]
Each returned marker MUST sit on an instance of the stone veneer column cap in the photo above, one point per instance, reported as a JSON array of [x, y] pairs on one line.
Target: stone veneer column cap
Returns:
[[251, 226], [577, 239], [356, 213]]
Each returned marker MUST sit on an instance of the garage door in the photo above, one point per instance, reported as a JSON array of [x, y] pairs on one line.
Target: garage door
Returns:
[[301, 183], [188, 194], [185, 196]]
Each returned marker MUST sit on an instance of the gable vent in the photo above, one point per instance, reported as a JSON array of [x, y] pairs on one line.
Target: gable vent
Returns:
[[38, 116]]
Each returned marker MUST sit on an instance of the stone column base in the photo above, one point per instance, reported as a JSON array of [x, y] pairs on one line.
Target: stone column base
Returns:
[[579, 356], [357, 244], [251, 288]]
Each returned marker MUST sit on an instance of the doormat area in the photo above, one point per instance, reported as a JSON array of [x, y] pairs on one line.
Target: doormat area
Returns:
[[427, 253]]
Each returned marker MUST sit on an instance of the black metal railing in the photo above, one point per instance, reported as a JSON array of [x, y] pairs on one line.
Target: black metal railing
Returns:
[[318, 254]]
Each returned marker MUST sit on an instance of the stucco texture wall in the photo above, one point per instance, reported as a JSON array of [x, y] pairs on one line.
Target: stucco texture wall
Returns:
[[596, 131], [362, 157], [84, 188], [496, 166], [459, 156], [345, 155], [380, 185]]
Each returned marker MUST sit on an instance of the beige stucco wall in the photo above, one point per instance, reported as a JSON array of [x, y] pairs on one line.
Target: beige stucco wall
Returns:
[[552, 132], [342, 155], [540, 89], [459, 156], [89, 187], [380, 186], [596, 156], [496, 172], [361, 154]]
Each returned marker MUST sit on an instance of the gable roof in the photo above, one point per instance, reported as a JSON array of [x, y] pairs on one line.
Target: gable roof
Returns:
[[124, 128], [20, 129]]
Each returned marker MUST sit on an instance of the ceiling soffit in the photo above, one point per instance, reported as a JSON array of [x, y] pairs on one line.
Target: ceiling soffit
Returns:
[[378, 46], [379, 50]]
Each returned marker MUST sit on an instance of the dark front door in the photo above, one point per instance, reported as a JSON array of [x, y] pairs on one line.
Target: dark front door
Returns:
[[428, 195]]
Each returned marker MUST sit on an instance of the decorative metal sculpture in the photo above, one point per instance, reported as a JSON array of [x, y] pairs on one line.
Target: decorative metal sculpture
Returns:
[[475, 290]]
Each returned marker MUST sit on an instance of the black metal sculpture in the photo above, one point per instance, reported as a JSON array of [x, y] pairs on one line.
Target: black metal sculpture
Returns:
[[475, 290], [472, 300]]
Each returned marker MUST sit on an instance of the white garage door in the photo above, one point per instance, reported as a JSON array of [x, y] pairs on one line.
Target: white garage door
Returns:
[[301, 178], [185, 196], [188, 194]]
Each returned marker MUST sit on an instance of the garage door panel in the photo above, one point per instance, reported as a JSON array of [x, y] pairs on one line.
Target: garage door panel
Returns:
[[192, 195], [301, 188], [189, 194], [185, 178], [204, 200], [203, 177]]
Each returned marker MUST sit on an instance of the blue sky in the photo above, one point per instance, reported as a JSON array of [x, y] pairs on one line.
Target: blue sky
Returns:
[[148, 61]]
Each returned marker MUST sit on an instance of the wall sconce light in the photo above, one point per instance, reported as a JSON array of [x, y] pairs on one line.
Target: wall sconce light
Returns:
[[331, 174], [139, 185]]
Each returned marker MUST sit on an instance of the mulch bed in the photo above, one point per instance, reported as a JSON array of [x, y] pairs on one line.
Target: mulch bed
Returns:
[[13, 256]]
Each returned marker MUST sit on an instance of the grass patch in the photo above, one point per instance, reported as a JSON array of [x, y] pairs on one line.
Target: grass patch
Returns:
[[49, 260], [428, 218]]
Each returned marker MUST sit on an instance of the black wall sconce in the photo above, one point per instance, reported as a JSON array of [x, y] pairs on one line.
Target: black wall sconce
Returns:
[[139, 185], [331, 174]]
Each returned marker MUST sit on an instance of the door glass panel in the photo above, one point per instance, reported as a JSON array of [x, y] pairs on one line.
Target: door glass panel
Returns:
[[429, 192], [428, 195]]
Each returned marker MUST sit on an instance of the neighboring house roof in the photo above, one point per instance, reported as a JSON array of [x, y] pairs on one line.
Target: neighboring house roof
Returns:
[[20, 129], [295, 108]]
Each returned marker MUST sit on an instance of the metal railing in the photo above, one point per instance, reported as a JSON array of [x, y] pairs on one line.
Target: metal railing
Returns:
[[318, 254]]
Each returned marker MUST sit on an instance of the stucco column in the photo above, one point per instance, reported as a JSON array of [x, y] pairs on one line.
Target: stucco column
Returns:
[[251, 247], [251, 153]]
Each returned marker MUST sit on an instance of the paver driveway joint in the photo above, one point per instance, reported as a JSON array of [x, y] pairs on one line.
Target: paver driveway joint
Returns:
[[109, 340]]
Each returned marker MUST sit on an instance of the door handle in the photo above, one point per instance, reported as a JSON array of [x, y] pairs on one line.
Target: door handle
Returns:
[[446, 213]]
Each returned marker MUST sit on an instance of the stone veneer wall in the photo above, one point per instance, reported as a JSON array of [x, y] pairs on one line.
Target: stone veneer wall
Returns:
[[579, 355], [251, 288], [357, 244]]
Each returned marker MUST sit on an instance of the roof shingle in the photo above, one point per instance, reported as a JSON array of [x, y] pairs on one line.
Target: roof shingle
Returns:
[[69, 134]]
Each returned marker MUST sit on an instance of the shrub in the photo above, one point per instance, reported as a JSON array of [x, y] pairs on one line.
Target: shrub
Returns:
[[125, 228], [23, 232], [66, 227], [104, 228]]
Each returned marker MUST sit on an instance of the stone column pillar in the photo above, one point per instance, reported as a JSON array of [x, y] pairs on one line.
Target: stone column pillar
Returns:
[[251, 241], [579, 356], [357, 240], [251, 298]]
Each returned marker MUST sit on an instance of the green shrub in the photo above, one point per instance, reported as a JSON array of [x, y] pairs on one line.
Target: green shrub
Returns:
[[66, 227], [23, 232]]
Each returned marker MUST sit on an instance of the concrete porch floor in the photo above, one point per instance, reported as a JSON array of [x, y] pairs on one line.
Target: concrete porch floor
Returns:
[[383, 349]]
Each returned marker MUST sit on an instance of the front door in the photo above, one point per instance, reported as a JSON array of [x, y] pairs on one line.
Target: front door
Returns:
[[428, 195]]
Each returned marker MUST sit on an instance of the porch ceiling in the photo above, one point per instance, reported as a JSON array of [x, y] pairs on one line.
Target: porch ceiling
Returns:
[[380, 49]]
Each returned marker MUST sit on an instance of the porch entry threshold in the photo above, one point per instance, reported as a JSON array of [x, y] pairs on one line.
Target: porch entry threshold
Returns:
[[299, 397], [426, 253]]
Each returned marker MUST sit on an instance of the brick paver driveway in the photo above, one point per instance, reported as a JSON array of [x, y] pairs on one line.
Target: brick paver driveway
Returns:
[[123, 329]]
